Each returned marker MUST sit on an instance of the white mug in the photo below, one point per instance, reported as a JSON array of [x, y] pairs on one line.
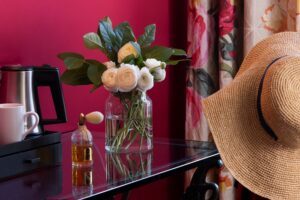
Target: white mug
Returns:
[[12, 122]]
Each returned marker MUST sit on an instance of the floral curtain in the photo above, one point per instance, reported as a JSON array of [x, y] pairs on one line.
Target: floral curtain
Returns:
[[217, 33], [264, 18], [212, 42]]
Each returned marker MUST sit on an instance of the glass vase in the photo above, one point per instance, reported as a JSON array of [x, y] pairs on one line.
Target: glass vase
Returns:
[[128, 125]]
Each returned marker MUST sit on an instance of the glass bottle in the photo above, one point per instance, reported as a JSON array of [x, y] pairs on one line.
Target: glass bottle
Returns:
[[82, 142]]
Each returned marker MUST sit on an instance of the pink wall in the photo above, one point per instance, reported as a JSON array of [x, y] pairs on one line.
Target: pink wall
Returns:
[[33, 32]]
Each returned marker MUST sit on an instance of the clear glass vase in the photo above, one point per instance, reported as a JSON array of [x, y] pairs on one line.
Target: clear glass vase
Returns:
[[128, 125]]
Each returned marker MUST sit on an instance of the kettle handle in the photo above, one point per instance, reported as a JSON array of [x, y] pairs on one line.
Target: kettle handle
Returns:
[[49, 76]]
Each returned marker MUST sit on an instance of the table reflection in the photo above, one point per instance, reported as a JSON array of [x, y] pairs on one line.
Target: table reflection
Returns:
[[113, 173], [38, 185], [82, 181], [129, 166]]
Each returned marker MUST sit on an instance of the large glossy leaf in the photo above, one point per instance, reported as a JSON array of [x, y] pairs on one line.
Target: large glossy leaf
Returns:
[[95, 71], [76, 76], [108, 37], [124, 34], [148, 37], [65, 55], [92, 41], [178, 52], [158, 52], [73, 62], [175, 62], [129, 59]]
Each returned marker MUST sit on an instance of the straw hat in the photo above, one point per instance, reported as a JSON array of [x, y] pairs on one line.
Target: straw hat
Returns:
[[255, 121]]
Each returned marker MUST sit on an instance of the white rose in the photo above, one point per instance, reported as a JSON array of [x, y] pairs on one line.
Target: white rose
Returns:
[[159, 74], [152, 62], [145, 81], [125, 51], [135, 67], [109, 79], [157, 68], [127, 77], [110, 64]]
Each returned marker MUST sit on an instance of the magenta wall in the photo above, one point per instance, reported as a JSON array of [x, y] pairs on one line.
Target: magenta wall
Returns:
[[33, 32]]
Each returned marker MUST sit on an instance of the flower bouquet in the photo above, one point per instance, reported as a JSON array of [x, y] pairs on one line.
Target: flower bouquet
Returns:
[[132, 69]]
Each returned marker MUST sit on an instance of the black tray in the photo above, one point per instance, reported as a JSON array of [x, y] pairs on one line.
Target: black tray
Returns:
[[30, 142], [32, 153]]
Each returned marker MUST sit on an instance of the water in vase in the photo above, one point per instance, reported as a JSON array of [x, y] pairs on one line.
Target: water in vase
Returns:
[[134, 135]]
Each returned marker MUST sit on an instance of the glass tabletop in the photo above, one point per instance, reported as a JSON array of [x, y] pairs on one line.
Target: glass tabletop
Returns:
[[110, 173]]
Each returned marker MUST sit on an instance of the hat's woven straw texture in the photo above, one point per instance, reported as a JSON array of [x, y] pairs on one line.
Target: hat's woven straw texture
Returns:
[[267, 167]]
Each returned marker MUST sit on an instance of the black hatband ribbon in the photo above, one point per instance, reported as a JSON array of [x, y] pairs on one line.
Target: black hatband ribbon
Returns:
[[262, 120]]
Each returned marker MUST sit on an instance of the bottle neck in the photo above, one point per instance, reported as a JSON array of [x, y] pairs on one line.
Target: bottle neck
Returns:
[[82, 127]]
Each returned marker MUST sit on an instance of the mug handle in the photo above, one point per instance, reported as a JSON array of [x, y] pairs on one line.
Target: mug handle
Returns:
[[27, 114]]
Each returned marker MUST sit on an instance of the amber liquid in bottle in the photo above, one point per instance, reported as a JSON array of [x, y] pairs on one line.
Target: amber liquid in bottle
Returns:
[[82, 176], [82, 181], [82, 154]]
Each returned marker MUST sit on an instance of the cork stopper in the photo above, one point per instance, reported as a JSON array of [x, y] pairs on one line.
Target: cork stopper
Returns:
[[81, 119]]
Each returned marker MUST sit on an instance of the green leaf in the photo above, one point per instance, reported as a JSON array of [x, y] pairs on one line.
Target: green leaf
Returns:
[[179, 52], [124, 34], [175, 62], [139, 61], [129, 59], [92, 41], [137, 47], [65, 55], [76, 76], [95, 71], [158, 52], [108, 37], [148, 37], [73, 62]]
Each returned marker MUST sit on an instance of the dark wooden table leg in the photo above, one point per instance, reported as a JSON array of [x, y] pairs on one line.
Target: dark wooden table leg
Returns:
[[198, 186]]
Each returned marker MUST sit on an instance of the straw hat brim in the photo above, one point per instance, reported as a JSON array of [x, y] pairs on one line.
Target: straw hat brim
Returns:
[[277, 45], [258, 162]]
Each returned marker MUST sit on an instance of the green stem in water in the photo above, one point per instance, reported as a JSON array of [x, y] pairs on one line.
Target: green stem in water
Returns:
[[135, 122]]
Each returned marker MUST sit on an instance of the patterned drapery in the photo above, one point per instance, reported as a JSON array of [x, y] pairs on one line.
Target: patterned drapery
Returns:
[[218, 37], [264, 18], [212, 40]]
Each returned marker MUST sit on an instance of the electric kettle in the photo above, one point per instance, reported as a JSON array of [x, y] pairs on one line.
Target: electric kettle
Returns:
[[20, 85]]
